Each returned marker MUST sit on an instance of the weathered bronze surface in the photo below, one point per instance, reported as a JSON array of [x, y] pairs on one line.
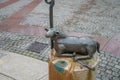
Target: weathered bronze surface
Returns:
[[70, 46], [83, 47]]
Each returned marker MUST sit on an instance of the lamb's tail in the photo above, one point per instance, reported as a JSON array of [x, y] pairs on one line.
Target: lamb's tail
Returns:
[[98, 47]]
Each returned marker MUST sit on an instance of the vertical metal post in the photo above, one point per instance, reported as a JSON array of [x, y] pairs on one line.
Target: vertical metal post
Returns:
[[51, 3]]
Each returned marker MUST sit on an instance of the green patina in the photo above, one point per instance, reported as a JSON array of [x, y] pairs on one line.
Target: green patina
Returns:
[[60, 66]]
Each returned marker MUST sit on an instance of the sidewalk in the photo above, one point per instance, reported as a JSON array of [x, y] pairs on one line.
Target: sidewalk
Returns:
[[30, 17], [22, 23], [17, 67]]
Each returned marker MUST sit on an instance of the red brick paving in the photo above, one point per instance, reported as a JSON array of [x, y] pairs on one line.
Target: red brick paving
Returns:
[[113, 46], [12, 23], [19, 15], [2, 5]]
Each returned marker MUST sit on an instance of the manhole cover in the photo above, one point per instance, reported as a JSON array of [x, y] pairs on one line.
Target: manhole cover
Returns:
[[37, 47]]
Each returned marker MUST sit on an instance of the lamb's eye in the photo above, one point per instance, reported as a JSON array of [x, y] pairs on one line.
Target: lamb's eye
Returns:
[[56, 33]]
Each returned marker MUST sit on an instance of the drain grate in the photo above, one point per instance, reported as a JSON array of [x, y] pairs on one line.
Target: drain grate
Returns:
[[37, 47]]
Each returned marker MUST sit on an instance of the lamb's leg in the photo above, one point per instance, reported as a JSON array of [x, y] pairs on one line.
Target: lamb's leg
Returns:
[[61, 51], [78, 58], [67, 55], [89, 56], [82, 57], [59, 54], [86, 65]]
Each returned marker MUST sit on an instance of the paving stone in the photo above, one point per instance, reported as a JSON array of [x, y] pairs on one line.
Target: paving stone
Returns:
[[111, 64], [108, 67], [103, 65], [9, 10], [117, 66], [104, 61], [42, 20], [116, 78], [18, 44], [44, 78], [114, 69], [5, 77], [108, 71], [115, 74], [21, 67], [113, 45]]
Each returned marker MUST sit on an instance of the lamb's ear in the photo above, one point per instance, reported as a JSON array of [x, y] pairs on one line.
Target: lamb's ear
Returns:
[[46, 29]]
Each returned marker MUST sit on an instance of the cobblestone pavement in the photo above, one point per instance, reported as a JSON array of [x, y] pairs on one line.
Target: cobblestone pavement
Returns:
[[97, 17], [19, 43], [108, 69]]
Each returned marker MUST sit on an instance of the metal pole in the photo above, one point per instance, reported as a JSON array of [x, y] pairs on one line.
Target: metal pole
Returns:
[[51, 3]]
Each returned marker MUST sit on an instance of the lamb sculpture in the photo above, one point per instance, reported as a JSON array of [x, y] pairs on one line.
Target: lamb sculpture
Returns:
[[83, 47]]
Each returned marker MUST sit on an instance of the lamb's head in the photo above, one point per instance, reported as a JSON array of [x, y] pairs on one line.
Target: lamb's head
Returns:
[[51, 33]]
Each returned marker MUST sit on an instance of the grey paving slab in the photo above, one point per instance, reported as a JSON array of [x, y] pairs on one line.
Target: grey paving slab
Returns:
[[5, 77], [21, 67], [44, 78]]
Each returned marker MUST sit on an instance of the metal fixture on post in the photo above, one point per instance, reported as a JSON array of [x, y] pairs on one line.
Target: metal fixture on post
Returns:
[[51, 3]]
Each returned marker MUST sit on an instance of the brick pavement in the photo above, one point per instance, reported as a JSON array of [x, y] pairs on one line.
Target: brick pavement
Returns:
[[15, 13], [7, 3], [113, 46]]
